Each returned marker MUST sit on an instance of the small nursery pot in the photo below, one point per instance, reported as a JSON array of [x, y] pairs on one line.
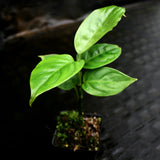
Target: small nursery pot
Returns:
[[79, 134]]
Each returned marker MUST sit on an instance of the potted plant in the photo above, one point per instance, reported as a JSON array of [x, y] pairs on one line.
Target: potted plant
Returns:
[[76, 130]]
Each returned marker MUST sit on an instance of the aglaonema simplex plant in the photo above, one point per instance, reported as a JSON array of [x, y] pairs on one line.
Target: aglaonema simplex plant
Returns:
[[66, 73]]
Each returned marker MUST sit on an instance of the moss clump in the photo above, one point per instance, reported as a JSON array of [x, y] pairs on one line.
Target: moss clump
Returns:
[[77, 132]]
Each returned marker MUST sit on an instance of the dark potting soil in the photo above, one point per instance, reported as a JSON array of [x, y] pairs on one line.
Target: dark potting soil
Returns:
[[77, 132]]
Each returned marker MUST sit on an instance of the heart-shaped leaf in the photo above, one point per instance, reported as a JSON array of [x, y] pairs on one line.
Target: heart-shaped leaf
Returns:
[[52, 71], [100, 55], [105, 81], [96, 25]]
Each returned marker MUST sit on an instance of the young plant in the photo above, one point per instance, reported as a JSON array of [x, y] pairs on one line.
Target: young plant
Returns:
[[66, 73]]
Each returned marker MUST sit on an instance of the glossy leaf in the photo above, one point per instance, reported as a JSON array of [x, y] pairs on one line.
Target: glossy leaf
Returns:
[[105, 81], [96, 25], [100, 55], [69, 84], [52, 71]]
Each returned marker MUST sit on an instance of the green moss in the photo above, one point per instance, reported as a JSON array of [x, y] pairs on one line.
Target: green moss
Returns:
[[74, 131]]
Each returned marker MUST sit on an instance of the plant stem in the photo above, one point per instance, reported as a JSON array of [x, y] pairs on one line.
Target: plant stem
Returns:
[[79, 93], [79, 89], [80, 100]]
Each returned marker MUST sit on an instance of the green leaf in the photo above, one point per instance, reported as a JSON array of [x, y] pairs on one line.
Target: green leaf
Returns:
[[69, 84], [100, 55], [105, 81], [96, 25], [51, 72]]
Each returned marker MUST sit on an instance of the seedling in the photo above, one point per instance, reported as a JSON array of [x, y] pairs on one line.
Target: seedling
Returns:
[[88, 72]]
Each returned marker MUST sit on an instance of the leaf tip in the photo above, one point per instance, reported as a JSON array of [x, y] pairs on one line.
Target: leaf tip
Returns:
[[41, 57], [134, 80], [30, 102], [124, 15]]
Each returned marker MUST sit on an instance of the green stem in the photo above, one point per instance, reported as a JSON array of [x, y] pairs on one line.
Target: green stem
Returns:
[[80, 101], [77, 93], [79, 89]]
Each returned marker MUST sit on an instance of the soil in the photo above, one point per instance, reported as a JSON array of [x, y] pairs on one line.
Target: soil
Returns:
[[77, 132]]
